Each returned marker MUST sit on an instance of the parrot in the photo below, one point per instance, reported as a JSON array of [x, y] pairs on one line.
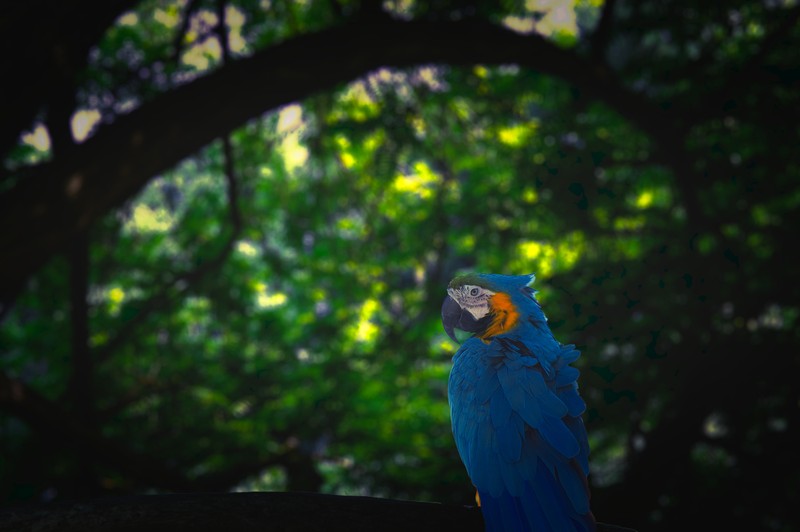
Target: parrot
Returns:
[[515, 408]]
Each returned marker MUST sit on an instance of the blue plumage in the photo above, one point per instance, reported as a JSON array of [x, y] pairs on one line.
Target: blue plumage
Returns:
[[516, 410]]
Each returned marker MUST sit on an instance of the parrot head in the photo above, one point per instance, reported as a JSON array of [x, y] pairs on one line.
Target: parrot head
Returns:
[[484, 304]]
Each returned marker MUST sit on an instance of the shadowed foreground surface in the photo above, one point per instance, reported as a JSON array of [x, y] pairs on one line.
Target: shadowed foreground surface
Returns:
[[245, 512]]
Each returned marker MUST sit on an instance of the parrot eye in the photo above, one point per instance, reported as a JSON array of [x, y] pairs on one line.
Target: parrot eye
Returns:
[[474, 292]]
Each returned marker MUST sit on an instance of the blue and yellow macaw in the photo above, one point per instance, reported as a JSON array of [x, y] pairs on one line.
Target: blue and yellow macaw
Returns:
[[515, 408]]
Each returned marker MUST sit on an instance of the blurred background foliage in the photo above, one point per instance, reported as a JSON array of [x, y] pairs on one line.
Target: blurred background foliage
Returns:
[[265, 315]]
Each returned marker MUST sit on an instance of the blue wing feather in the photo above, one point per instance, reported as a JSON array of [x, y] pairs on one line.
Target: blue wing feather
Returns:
[[571, 477], [567, 375], [552, 406], [486, 386], [532, 413], [579, 431], [534, 381], [518, 430], [568, 354], [557, 434], [500, 409], [570, 397], [509, 443]]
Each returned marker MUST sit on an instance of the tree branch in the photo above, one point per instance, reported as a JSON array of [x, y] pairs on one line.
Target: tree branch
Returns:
[[81, 383], [57, 35], [602, 32], [56, 199]]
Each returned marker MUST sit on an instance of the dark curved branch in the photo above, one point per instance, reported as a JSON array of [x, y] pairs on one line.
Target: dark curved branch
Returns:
[[54, 200], [81, 385], [57, 37], [602, 32]]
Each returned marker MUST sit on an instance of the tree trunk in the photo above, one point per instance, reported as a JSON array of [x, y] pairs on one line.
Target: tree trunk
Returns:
[[82, 368]]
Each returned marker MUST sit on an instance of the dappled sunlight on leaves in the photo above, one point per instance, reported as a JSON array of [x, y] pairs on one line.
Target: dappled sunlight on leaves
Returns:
[[147, 220], [83, 123], [38, 138], [420, 183], [266, 299]]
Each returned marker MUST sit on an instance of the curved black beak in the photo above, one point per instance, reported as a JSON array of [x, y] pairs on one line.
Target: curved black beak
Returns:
[[454, 317]]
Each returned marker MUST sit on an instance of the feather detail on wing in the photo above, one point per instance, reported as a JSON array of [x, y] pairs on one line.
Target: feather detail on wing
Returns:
[[519, 433]]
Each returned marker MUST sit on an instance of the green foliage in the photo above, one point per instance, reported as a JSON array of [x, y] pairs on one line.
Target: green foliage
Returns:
[[306, 331]]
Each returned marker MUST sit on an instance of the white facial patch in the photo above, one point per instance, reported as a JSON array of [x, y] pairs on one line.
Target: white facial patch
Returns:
[[473, 299]]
